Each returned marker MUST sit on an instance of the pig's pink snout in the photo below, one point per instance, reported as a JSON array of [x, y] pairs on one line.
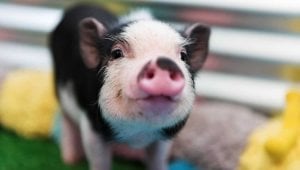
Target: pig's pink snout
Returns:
[[163, 77]]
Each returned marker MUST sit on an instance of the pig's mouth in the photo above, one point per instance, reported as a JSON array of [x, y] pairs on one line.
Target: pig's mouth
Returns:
[[157, 105], [158, 99]]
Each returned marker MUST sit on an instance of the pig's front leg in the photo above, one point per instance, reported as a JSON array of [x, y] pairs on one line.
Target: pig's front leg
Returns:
[[71, 146], [98, 152], [157, 155]]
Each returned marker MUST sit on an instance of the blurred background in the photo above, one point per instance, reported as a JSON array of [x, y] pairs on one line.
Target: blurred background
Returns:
[[254, 49], [254, 46]]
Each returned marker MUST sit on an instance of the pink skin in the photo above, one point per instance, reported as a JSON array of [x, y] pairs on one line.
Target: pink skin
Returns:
[[160, 88], [155, 81]]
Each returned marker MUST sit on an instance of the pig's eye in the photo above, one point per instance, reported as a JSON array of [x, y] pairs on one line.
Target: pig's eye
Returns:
[[183, 55], [117, 53]]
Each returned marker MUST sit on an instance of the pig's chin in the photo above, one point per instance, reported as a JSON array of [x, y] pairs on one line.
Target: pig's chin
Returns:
[[156, 106]]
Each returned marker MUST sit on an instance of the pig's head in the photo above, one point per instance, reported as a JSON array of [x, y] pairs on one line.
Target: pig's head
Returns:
[[147, 68]]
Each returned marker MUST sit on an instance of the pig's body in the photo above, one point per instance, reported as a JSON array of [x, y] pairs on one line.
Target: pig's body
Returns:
[[122, 83]]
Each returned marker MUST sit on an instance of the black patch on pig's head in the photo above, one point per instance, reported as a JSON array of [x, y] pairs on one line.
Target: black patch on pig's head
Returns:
[[96, 41], [106, 43], [167, 64]]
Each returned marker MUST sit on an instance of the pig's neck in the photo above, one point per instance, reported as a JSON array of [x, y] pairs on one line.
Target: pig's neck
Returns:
[[136, 135]]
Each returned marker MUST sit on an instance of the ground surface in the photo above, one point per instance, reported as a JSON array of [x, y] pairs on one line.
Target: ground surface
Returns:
[[17, 153]]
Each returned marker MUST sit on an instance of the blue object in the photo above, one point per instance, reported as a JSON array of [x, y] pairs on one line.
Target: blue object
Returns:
[[181, 165], [56, 129]]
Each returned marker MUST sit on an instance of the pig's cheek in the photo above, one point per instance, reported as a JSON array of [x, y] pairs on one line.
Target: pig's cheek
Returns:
[[186, 99], [128, 87], [131, 88]]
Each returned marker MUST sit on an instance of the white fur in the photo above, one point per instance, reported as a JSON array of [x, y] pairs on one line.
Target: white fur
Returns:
[[152, 38], [68, 103]]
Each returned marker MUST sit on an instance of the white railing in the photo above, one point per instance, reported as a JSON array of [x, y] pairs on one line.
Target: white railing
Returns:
[[278, 7]]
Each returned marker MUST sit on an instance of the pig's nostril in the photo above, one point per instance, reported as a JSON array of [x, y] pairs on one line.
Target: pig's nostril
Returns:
[[150, 74], [174, 76]]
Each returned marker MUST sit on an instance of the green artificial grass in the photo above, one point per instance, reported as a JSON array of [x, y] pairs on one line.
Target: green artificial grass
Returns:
[[17, 153]]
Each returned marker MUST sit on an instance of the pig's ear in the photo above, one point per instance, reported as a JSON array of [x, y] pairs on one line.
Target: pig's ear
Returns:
[[198, 48], [89, 31]]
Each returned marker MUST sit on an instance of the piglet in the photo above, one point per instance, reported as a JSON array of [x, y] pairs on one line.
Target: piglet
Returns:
[[127, 81]]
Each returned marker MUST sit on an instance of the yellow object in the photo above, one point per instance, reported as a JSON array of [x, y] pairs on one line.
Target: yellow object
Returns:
[[27, 103], [276, 146], [291, 73], [279, 146]]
